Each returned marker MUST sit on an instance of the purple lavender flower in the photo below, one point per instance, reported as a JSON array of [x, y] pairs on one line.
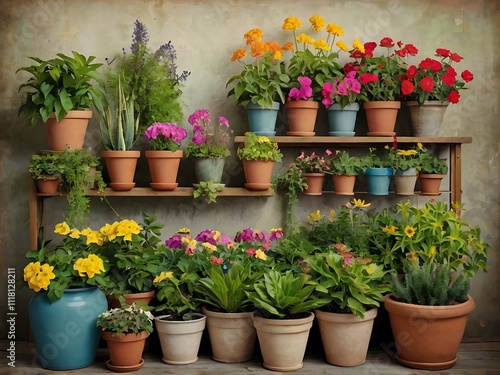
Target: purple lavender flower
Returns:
[[139, 37]]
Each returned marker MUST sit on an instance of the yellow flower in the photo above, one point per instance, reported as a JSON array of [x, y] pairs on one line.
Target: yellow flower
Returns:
[[277, 55], [238, 54], [317, 22], [358, 45], [62, 228], [432, 251], [109, 231], [314, 216], [184, 231], [321, 44], [259, 254], [162, 276], [409, 231], [75, 233], [209, 246], [342, 45], [126, 228], [334, 29], [412, 257], [420, 146], [304, 38], [86, 232], [371, 268], [276, 230], [389, 229], [92, 265], [331, 219], [360, 203], [291, 23], [95, 237], [38, 275], [263, 139], [407, 152]]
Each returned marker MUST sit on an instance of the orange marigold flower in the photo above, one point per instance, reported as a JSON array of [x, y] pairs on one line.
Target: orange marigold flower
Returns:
[[253, 35], [238, 54], [257, 49], [291, 23], [288, 46], [317, 22], [304, 38], [334, 29]]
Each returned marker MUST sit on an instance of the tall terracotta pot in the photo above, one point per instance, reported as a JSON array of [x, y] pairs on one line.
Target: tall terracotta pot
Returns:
[[163, 167], [125, 350], [314, 183], [232, 335], [381, 117], [301, 116], [180, 340], [430, 184], [283, 341], [258, 174], [426, 119], [345, 337], [70, 132], [427, 337], [343, 184], [121, 167]]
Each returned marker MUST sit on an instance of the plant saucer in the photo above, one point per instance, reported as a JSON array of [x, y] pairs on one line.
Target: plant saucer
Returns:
[[124, 368], [164, 186], [121, 186], [257, 186]]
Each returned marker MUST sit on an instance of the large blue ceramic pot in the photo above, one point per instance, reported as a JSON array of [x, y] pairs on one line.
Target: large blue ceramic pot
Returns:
[[342, 121], [65, 331], [261, 120]]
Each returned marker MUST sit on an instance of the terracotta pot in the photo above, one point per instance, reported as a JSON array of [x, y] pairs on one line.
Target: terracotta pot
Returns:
[[49, 185], [121, 167], [314, 183], [345, 337], [381, 117], [163, 167], [427, 337], [125, 350], [70, 132], [180, 340], [283, 341], [258, 174], [301, 116], [130, 298], [430, 183], [426, 119], [343, 184], [232, 335]]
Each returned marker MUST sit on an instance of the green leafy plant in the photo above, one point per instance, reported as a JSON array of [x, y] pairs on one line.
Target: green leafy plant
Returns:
[[431, 164], [45, 165], [225, 290], [259, 147], [60, 85], [126, 319], [403, 159], [208, 190], [263, 81], [374, 159], [150, 79], [118, 123], [353, 284], [430, 285], [285, 295], [342, 163]]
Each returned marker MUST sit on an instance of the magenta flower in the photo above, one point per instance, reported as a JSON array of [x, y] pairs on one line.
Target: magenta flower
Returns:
[[304, 92], [174, 242]]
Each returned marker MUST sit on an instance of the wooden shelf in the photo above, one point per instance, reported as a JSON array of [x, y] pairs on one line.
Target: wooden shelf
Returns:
[[359, 141], [179, 192]]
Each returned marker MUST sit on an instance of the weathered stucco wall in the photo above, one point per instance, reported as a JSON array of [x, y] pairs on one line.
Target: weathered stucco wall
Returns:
[[205, 34]]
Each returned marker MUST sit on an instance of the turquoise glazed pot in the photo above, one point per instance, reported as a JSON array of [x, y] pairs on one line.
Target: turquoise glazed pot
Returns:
[[209, 169], [342, 121], [65, 331], [261, 120], [378, 180]]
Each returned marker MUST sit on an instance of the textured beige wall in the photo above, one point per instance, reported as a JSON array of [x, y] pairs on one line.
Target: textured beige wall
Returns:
[[205, 33]]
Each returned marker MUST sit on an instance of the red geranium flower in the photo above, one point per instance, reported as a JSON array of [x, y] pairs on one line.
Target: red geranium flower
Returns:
[[407, 87], [448, 79], [454, 97], [467, 76], [443, 52], [387, 42], [427, 84]]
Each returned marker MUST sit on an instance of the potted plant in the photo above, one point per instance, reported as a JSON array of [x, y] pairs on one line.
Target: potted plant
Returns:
[[344, 168], [285, 302], [209, 146], [314, 167], [301, 110], [381, 81], [341, 97], [164, 157], [259, 86], [258, 155], [47, 170], [406, 164], [125, 330], [434, 83], [119, 129], [431, 174], [356, 286], [446, 251], [378, 172], [60, 93], [67, 278], [150, 78]]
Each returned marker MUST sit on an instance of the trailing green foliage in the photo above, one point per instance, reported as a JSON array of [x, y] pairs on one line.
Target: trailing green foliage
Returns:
[[208, 190]]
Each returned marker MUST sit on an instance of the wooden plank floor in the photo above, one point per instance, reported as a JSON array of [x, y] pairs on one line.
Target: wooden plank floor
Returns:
[[475, 359]]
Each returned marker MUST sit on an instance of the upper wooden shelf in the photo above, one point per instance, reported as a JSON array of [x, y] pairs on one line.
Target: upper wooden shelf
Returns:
[[300, 141], [179, 192]]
